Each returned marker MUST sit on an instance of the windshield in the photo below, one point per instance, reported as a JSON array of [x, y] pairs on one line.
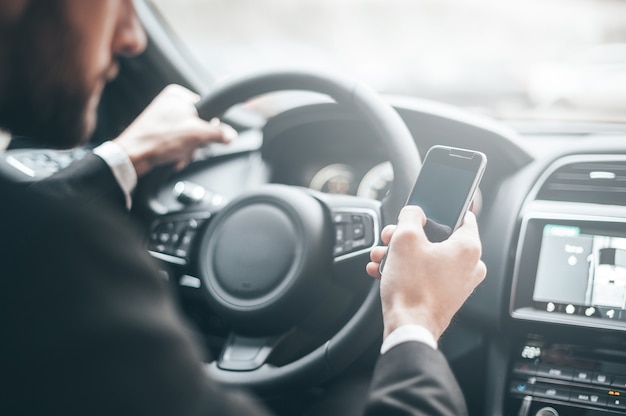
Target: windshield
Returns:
[[532, 59]]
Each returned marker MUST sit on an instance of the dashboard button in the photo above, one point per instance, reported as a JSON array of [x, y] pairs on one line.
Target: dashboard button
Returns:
[[525, 368], [341, 218], [340, 234], [603, 379], [619, 382], [521, 387], [357, 244], [358, 231], [582, 376], [616, 403], [609, 313], [187, 239], [339, 250], [555, 372], [551, 391], [588, 397], [164, 238]]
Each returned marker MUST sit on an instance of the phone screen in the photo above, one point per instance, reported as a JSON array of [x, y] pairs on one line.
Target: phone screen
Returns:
[[441, 191]]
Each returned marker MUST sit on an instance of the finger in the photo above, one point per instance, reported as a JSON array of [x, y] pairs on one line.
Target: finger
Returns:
[[466, 239], [378, 253], [387, 232], [182, 164], [412, 218], [201, 133], [372, 269], [216, 131], [229, 133], [477, 204], [468, 230], [412, 214], [181, 92], [481, 272], [478, 274]]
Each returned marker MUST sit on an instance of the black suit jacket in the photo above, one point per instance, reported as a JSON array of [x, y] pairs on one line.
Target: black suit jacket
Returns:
[[414, 379], [88, 181], [88, 327]]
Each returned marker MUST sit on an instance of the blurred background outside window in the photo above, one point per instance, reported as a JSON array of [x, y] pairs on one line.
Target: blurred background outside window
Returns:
[[516, 60]]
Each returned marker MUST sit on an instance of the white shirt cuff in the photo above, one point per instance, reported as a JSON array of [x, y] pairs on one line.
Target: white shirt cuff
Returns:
[[121, 165], [408, 333], [5, 139]]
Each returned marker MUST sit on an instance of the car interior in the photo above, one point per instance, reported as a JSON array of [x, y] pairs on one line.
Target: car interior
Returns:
[[264, 242]]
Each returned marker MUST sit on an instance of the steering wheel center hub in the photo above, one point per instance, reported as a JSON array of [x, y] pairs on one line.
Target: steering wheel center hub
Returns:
[[257, 248], [263, 255]]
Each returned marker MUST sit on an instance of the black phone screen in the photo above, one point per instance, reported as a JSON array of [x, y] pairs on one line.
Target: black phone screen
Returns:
[[441, 191]]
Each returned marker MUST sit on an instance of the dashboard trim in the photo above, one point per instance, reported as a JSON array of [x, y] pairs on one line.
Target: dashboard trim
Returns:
[[167, 258], [20, 166]]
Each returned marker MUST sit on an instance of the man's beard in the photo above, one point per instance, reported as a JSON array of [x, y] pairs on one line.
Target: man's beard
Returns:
[[46, 97]]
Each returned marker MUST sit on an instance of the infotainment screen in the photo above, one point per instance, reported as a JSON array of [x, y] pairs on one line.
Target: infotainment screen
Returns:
[[571, 270], [579, 273]]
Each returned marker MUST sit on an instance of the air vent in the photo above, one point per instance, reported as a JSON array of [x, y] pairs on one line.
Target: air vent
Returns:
[[598, 182]]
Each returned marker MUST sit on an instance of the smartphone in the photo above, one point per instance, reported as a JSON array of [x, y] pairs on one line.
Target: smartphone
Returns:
[[445, 187]]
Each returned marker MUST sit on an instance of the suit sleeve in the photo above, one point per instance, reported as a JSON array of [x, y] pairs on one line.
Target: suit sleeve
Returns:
[[414, 379], [85, 182], [92, 328]]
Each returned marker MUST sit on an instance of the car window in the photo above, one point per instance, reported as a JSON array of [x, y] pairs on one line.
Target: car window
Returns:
[[533, 59]]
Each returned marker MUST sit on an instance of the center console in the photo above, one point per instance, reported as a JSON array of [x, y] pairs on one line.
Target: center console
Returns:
[[570, 271], [551, 377], [568, 301]]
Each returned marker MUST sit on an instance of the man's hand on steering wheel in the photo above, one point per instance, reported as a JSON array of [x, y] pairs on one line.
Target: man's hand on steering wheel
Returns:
[[169, 130]]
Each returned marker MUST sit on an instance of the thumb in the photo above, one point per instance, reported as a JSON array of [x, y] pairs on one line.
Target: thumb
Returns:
[[412, 218]]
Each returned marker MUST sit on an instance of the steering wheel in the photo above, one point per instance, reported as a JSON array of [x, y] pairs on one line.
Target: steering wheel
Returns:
[[263, 258]]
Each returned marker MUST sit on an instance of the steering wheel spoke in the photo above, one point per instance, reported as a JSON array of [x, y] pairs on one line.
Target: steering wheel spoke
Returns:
[[172, 237], [357, 223], [241, 353]]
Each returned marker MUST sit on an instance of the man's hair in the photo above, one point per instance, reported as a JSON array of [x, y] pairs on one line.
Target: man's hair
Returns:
[[43, 94]]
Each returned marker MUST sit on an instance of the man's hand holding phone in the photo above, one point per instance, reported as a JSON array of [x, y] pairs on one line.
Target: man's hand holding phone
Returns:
[[445, 187], [426, 283], [434, 251]]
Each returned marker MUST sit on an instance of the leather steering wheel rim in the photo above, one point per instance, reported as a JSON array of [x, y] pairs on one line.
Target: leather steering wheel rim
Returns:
[[401, 150]]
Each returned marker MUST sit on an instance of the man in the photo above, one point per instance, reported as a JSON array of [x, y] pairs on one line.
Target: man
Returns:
[[166, 133], [87, 327]]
